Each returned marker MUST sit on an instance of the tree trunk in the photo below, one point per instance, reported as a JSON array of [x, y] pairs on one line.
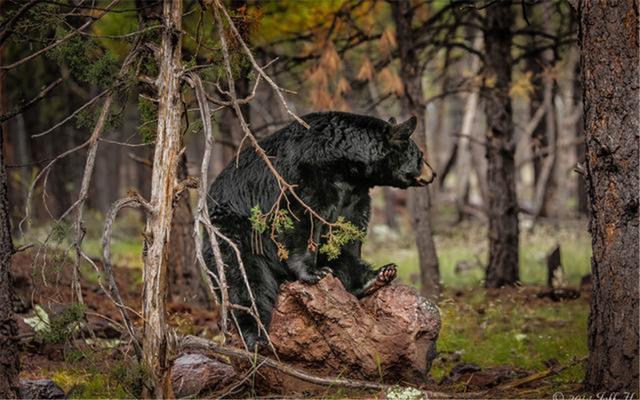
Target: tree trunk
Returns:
[[185, 282], [609, 44], [419, 200], [502, 207], [388, 195], [464, 162], [9, 355], [155, 341]]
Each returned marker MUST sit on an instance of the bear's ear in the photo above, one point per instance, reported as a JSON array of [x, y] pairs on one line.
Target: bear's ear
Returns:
[[392, 121], [404, 130]]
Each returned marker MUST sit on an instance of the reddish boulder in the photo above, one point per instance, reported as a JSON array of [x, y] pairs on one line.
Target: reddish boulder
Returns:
[[194, 374], [324, 330]]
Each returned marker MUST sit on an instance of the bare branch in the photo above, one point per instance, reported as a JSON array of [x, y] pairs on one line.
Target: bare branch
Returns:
[[20, 109], [201, 212], [133, 200], [73, 114], [193, 342], [8, 25], [278, 90]]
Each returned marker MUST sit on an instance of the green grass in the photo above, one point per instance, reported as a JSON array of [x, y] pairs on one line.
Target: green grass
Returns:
[[515, 332], [467, 242]]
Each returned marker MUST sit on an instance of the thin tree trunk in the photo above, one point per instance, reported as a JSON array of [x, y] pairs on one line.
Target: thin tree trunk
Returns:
[[502, 207], [463, 167], [609, 44], [545, 182], [9, 355], [388, 195], [185, 283], [155, 341], [419, 200]]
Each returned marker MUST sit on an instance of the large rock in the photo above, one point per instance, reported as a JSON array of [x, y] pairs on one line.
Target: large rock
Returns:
[[194, 374], [40, 389], [389, 336]]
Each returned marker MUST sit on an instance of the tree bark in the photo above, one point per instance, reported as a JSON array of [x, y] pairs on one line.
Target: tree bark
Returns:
[[609, 45], [155, 341], [502, 207], [9, 355], [419, 200]]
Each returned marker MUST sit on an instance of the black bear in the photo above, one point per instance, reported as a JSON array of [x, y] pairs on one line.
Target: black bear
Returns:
[[333, 164]]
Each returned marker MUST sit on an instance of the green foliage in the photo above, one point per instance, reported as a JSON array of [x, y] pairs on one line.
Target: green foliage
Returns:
[[62, 325], [148, 112], [57, 328], [131, 375], [60, 230], [258, 220], [83, 384], [282, 221], [86, 61], [340, 234]]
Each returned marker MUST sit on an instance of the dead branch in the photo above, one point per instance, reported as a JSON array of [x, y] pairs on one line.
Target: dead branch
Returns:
[[133, 200], [8, 25], [20, 109], [73, 114], [276, 88], [201, 212], [27, 215], [191, 342]]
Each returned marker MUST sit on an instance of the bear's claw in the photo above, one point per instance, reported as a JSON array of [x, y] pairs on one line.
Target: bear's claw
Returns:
[[386, 275]]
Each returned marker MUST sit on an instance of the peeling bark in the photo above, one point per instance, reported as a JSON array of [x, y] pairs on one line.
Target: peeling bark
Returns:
[[609, 44], [155, 341]]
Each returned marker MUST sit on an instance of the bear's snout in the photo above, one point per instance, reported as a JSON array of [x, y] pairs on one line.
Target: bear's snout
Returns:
[[427, 175]]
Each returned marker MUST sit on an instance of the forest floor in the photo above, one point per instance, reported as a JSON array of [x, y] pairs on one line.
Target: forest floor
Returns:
[[503, 343]]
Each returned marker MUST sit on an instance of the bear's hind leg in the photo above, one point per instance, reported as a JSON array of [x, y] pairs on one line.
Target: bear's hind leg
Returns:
[[264, 288]]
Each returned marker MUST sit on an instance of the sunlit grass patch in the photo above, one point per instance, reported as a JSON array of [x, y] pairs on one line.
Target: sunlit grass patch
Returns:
[[465, 245], [515, 330]]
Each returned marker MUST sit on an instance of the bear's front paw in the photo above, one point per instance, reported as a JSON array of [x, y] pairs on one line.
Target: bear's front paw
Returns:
[[313, 276], [385, 275]]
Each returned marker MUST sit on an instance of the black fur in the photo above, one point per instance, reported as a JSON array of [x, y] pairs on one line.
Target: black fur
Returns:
[[334, 165]]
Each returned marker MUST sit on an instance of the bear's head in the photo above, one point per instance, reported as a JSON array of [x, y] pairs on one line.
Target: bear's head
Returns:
[[404, 164], [363, 150]]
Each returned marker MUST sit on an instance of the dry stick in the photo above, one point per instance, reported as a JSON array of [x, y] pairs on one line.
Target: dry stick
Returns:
[[31, 102], [245, 100], [200, 343], [133, 200], [539, 375], [84, 192], [88, 173], [201, 211], [278, 89], [27, 214], [61, 40], [284, 186], [73, 114], [253, 310]]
